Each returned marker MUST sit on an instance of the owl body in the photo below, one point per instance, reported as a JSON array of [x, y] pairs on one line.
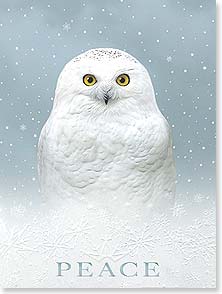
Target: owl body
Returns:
[[117, 151]]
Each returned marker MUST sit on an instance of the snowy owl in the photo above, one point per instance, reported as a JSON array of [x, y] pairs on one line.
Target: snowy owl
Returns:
[[105, 139]]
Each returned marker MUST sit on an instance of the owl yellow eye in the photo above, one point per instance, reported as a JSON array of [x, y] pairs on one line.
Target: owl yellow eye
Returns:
[[89, 80], [123, 80]]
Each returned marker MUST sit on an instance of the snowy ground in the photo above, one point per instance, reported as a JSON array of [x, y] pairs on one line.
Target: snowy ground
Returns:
[[182, 241]]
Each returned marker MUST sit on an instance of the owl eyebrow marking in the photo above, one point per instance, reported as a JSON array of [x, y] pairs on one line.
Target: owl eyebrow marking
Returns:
[[122, 71]]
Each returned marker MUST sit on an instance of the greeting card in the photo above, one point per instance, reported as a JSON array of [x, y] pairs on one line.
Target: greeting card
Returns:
[[107, 144]]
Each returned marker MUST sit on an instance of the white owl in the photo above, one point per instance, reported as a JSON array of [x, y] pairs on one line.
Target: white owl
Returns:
[[105, 140]]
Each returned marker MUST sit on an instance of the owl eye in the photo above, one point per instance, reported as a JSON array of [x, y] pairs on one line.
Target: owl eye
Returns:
[[89, 80], [123, 80]]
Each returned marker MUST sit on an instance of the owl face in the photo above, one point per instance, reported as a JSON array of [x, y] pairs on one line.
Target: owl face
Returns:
[[107, 89], [104, 79]]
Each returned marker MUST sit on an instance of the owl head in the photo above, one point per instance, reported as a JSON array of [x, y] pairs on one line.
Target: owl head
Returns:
[[104, 80]]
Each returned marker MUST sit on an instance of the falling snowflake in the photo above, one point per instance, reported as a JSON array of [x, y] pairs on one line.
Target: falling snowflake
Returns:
[[66, 27], [106, 250], [198, 197], [56, 244], [79, 229], [141, 240], [178, 210], [23, 127], [169, 58], [16, 241]]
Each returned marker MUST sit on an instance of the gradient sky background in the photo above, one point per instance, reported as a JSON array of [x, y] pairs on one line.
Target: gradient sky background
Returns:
[[175, 40]]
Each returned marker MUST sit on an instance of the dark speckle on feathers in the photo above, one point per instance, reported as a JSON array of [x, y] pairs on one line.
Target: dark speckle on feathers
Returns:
[[104, 53]]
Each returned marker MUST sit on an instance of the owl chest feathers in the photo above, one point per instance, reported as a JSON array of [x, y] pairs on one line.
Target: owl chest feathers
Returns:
[[107, 153]]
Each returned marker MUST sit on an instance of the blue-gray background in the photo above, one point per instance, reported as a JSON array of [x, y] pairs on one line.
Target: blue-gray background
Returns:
[[175, 40]]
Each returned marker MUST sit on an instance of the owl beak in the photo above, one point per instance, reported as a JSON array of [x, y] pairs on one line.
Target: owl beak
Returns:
[[106, 98]]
